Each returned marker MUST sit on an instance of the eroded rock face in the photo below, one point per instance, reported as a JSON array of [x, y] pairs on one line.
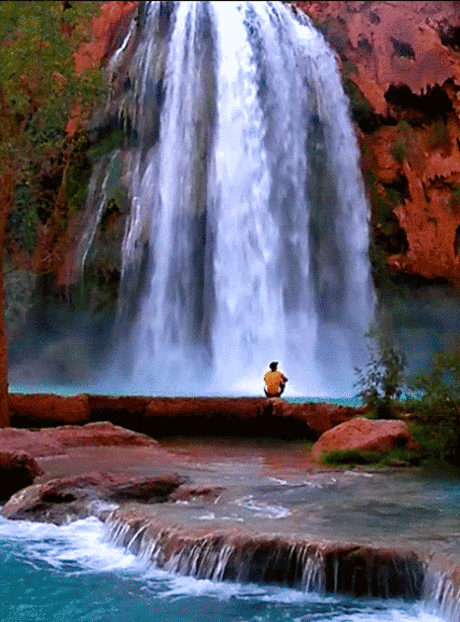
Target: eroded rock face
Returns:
[[401, 64], [17, 470], [365, 435], [64, 499]]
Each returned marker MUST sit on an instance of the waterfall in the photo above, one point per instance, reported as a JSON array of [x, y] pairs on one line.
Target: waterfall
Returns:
[[247, 237], [220, 555], [442, 589], [314, 566]]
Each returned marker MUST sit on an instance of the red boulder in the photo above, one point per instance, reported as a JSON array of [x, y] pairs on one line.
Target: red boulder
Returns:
[[366, 435]]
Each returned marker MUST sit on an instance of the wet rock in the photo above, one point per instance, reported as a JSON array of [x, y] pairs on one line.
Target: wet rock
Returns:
[[100, 433], [118, 409], [191, 493], [37, 443], [17, 470], [169, 416], [217, 416], [365, 435], [317, 416], [55, 441], [64, 499], [247, 417], [42, 409], [367, 571], [231, 556]]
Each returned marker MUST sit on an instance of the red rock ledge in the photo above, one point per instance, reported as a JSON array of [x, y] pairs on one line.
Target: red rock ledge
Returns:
[[173, 416]]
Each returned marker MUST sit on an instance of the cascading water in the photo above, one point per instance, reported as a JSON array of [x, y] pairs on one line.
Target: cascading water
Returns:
[[247, 236]]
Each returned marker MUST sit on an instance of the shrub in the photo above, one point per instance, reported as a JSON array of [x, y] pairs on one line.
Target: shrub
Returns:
[[439, 135], [350, 457], [404, 142], [454, 201], [436, 407], [382, 382], [399, 151]]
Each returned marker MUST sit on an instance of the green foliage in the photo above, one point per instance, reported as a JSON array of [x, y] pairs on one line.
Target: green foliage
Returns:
[[434, 402], [358, 103], [399, 151], [22, 222], [349, 68], [39, 81], [335, 33], [403, 145], [39, 90], [454, 200], [394, 197], [382, 382], [383, 209], [439, 135], [106, 145], [405, 129], [360, 108], [78, 176], [351, 457], [436, 407]]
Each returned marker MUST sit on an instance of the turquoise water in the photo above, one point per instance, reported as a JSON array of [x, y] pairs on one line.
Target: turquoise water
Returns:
[[57, 389], [72, 573]]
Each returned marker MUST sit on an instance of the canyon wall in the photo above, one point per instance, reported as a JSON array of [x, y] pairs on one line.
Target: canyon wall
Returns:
[[401, 70], [400, 63]]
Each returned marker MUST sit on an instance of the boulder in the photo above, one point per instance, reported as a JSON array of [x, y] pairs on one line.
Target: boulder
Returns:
[[97, 434], [37, 443], [64, 499], [17, 470], [365, 435], [56, 441]]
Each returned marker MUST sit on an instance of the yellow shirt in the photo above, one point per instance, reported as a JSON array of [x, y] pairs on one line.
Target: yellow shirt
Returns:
[[273, 380]]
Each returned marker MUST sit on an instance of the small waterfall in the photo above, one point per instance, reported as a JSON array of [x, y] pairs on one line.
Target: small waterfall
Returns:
[[442, 589], [247, 236], [230, 556]]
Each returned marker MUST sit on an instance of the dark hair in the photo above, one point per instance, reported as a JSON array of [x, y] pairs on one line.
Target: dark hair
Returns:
[[273, 365]]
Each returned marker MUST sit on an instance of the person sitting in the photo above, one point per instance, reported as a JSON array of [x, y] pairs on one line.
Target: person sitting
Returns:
[[275, 381]]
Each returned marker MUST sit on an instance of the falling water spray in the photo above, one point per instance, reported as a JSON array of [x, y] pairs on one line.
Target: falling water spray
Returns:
[[247, 237]]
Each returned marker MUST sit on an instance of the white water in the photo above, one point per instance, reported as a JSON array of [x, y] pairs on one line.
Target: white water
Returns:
[[247, 238], [72, 572]]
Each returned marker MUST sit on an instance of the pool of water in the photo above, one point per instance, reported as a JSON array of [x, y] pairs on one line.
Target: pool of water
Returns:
[[73, 573], [67, 389]]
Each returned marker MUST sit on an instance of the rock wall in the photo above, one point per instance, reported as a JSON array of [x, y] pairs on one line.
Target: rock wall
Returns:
[[401, 68]]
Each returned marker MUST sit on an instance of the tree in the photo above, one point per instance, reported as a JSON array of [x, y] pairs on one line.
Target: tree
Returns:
[[382, 382], [39, 91], [436, 404]]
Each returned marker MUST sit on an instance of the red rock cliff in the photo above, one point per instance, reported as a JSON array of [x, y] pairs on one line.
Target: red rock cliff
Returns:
[[401, 64]]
